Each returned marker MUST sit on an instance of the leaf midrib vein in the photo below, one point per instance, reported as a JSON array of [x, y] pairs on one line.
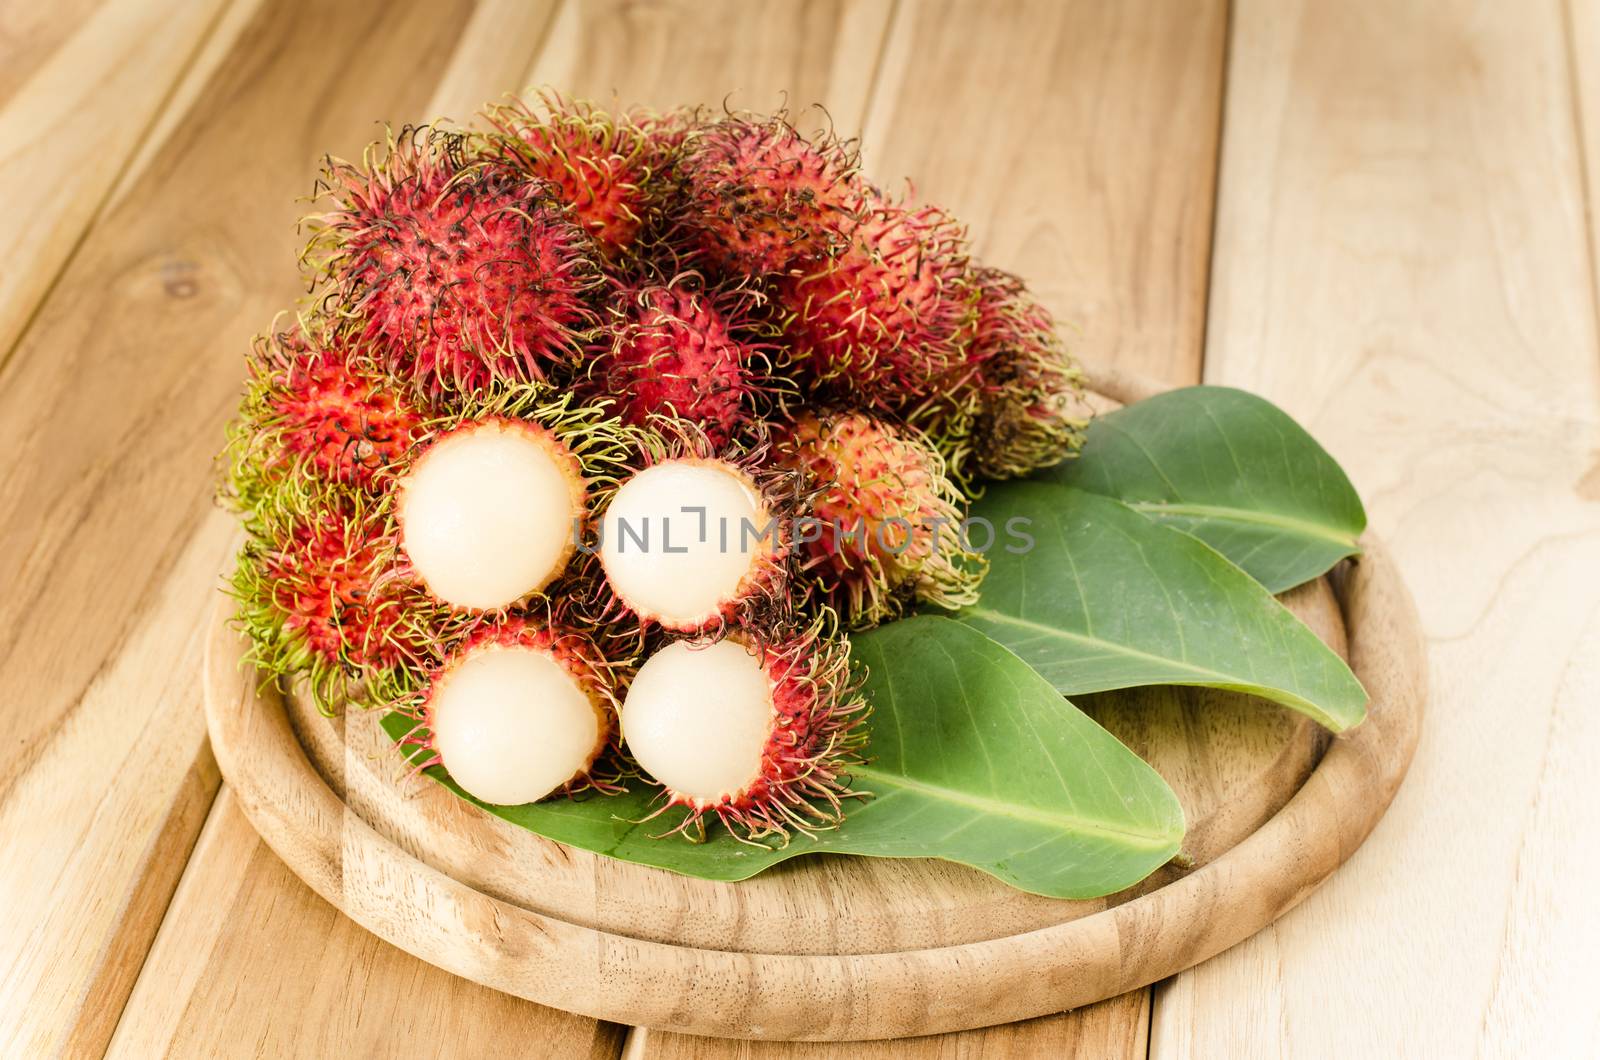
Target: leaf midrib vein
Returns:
[[1063, 822]]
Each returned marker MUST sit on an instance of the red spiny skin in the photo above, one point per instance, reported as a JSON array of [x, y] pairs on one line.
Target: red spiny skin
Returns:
[[684, 352], [870, 475], [464, 272], [323, 583], [1024, 378], [888, 518], [603, 168], [886, 322], [347, 423], [760, 198]]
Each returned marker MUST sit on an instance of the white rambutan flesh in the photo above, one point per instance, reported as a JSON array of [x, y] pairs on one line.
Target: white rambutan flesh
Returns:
[[487, 513], [684, 540], [511, 725], [698, 718]]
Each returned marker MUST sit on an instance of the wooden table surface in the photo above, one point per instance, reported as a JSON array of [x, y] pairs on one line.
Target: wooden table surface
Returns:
[[1378, 213]]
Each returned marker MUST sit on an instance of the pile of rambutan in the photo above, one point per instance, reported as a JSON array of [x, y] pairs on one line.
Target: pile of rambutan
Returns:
[[597, 435]]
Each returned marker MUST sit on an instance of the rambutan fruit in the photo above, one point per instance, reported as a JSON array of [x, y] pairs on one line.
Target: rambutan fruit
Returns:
[[1027, 383], [682, 350], [490, 509], [696, 541], [605, 168], [760, 198], [463, 270], [886, 521], [319, 596], [885, 323], [758, 735], [314, 416], [520, 711]]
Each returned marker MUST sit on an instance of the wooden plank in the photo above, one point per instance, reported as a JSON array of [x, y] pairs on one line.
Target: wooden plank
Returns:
[[109, 413], [739, 54], [1079, 142], [79, 83], [1078, 139], [1401, 263], [250, 961]]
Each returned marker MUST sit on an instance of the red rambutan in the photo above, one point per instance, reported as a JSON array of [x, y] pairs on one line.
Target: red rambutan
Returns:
[[759, 197], [886, 521], [758, 735], [519, 711], [313, 415], [463, 270], [607, 169], [319, 596], [1027, 383], [683, 351], [885, 323]]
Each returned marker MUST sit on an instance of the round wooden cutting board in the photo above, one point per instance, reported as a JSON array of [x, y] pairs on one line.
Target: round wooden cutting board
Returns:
[[832, 947]]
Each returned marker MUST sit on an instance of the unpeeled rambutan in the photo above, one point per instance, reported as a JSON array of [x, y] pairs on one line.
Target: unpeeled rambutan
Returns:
[[886, 521], [314, 416], [463, 270], [760, 198], [758, 735], [519, 711], [319, 596], [609, 170], [681, 350], [885, 323], [1027, 383]]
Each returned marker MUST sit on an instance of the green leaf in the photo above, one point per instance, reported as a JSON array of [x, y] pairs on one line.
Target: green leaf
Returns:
[[975, 759], [1233, 470], [1108, 599]]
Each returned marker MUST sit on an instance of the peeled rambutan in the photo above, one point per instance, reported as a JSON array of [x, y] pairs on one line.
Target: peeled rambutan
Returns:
[[520, 711], [885, 521], [759, 197], [492, 505], [1027, 383], [698, 540], [758, 735], [681, 350], [314, 416], [885, 323], [463, 270], [319, 596], [607, 169]]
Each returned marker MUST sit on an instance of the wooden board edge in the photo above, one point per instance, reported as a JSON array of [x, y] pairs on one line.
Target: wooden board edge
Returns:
[[827, 997]]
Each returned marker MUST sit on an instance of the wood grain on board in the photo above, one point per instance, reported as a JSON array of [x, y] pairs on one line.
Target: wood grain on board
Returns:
[[250, 961], [79, 84], [1402, 264], [715, 991], [111, 407]]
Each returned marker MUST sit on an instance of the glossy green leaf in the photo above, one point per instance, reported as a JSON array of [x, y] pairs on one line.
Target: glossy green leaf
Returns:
[[1231, 469], [975, 759], [1106, 598]]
